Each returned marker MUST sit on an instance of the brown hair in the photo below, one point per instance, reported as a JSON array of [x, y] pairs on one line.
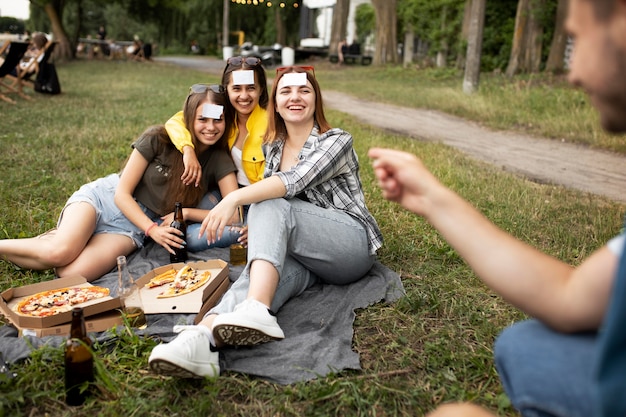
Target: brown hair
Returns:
[[39, 40], [189, 196], [259, 77], [276, 129]]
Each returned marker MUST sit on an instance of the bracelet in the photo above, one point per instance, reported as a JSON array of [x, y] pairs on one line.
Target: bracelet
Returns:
[[149, 228]]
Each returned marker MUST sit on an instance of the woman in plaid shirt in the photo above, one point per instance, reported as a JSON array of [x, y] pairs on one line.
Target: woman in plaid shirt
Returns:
[[308, 224]]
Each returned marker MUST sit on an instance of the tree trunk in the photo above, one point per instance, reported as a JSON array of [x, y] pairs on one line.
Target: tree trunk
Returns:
[[63, 50], [409, 45], [281, 33], [442, 53], [519, 35], [386, 32], [556, 58], [534, 36], [467, 15], [225, 23], [474, 46], [527, 39], [340, 24]]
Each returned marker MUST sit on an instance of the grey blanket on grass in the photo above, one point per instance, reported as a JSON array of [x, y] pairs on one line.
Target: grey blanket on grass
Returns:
[[317, 324]]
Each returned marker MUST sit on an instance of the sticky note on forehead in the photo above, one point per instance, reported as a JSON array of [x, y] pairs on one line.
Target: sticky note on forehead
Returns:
[[244, 77], [293, 78], [212, 111]]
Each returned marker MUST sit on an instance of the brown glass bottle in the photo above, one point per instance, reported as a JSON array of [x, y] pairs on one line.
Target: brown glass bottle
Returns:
[[78, 360], [180, 254]]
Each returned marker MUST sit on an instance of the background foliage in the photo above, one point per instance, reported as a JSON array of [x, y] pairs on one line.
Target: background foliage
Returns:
[[173, 24]]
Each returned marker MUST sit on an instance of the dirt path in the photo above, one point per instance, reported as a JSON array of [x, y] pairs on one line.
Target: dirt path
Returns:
[[541, 160]]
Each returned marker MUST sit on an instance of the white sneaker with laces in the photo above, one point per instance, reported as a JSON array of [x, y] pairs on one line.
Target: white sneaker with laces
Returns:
[[249, 324], [189, 355]]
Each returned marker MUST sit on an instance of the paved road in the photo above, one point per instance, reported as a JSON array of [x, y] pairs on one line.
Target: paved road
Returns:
[[542, 160]]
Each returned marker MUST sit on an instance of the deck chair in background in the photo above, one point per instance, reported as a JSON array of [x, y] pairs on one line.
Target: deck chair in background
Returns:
[[11, 62], [27, 75]]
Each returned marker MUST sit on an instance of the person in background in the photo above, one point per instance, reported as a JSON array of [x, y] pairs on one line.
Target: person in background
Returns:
[[311, 185], [114, 215], [570, 359], [245, 83]]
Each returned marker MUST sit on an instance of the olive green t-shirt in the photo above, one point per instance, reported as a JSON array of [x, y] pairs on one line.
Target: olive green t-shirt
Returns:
[[154, 183]]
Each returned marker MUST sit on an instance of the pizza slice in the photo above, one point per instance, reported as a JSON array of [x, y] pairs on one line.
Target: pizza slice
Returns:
[[162, 279], [185, 281]]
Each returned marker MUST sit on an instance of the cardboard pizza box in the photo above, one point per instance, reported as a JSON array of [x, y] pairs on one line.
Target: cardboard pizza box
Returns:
[[98, 323], [12, 296], [186, 303]]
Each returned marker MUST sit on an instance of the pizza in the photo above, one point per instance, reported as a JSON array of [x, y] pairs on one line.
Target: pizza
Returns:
[[51, 302], [162, 279], [185, 281]]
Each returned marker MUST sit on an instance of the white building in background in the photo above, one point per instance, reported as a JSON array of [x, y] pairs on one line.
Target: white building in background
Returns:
[[316, 21]]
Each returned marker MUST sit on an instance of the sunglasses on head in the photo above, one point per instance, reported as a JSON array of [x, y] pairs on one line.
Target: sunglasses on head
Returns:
[[296, 68], [251, 61], [203, 88]]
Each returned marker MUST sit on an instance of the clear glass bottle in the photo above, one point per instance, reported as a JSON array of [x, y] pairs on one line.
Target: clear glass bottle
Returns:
[[130, 295], [79, 369]]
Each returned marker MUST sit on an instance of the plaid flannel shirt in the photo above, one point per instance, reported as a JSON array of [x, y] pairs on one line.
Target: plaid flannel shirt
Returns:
[[328, 174]]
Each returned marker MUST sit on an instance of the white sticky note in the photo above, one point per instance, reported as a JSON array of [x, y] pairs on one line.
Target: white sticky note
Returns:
[[212, 111], [243, 77], [293, 78]]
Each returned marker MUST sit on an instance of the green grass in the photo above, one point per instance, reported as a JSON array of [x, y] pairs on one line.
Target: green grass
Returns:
[[541, 104], [433, 346]]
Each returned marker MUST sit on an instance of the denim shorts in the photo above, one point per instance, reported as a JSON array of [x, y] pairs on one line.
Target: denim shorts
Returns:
[[109, 218]]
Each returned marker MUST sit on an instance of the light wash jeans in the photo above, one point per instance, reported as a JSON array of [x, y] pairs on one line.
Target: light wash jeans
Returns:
[[306, 244], [547, 373], [197, 244]]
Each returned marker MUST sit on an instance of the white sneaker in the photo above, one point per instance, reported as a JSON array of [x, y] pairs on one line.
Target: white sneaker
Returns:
[[189, 355], [249, 324]]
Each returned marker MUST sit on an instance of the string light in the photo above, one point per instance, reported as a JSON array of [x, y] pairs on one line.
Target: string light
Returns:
[[282, 4]]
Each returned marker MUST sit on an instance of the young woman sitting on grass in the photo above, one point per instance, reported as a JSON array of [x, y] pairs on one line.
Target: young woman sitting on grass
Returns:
[[114, 215]]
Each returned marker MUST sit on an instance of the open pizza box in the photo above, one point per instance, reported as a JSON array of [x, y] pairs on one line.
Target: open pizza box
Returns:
[[98, 323], [11, 297], [193, 302]]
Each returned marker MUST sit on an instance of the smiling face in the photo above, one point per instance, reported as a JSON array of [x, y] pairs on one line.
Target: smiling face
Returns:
[[295, 103], [207, 130], [598, 63], [243, 97]]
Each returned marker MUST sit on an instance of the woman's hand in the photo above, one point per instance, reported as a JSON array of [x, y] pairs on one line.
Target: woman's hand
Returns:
[[193, 170], [167, 219], [167, 236], [218, 218], [243, 237]]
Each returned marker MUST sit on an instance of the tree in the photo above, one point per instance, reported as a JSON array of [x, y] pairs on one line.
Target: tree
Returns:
[[474, 46], [339, 24], [527, 38], [54, 11], [386, 32], [556, 58]]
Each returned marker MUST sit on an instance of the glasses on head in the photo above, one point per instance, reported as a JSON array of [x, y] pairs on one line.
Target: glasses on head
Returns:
[[203, 88], [251, 61], [296, 68]]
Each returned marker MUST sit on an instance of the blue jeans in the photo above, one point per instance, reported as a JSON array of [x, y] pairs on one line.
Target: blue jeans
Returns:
[[547, 373], [306, 244], [197, 244]]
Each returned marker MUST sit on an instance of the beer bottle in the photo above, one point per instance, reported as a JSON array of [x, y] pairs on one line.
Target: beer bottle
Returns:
[[78, 360], [180, 254]]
